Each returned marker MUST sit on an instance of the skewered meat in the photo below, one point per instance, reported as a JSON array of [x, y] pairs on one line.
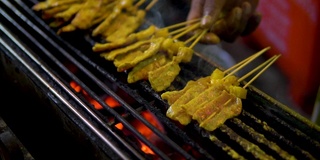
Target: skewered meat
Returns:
[[109, 19], [209, 101], [91, 13], [125, 41], [124, 26], [69, 13], [141, 70], [111, 55], [162, 77], [175, 111], [130, 59], [117, 9], [173, 96], [53, 3], [229, 109], [129, 53]]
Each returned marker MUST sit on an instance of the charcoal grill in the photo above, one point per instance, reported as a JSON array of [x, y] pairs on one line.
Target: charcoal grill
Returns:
[[37, 66]]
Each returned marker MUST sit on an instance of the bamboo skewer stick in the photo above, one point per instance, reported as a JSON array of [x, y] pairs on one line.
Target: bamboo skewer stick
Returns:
[[199, 37], [256, 69], [177, 31], [191, 28], [138, 4], [266, 67], [182, 24], [151, 4], [192, 38], [243, 63]]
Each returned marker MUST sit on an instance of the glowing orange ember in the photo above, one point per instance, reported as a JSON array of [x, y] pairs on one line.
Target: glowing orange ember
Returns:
[[112, 102], [75, 86], [146, 149], [143, 129], [119, 126], [146, 132], [109, 100]]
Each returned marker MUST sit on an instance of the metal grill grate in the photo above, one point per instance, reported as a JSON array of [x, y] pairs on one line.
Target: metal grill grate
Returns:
[[265, 130]]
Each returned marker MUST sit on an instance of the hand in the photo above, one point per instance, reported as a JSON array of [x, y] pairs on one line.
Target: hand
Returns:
[[228, 19]]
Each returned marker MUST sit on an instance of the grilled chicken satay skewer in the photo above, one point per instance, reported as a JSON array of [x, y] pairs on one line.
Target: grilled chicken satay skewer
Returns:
[[230, 107], [161, 78], [90, 14], [125, 18], [182, 103], [145, 34]]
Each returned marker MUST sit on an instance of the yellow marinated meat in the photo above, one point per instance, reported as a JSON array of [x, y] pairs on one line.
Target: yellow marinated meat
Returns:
[[238, 91], [53, 3], [141, 70], [130, 24], [116, 25], [230, 80], [117, 9], [216, 74], [89, 12], [162, 32], [111, 55], [51, 12], [175, 109], [213, 107], [212, 92], [230, 110], [130, 60], [162, 77], [173, 49], [67, 28], [56, 23], [125, 41], [172, 96], [185, 54], [210, 104], [167, 43], [69, 13], [123, 62]]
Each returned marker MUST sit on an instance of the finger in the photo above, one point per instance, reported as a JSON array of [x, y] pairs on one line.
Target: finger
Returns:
[[232, 29], [233, 19], [211, 12], [210, 38], [219, 27], [196, 9], [246, 14], [252, 24]]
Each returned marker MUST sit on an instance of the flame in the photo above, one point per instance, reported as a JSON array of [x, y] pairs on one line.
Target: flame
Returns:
[[108, 100]]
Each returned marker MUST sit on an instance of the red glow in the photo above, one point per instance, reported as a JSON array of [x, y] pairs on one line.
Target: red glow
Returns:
[[119, 126], [108, 100], [75, 86], [140, 127], [146, 132], [112, 102]]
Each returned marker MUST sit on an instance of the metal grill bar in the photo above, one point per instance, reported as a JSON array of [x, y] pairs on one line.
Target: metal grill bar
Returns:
[[30, 68], [105, 88], [140, 99]]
